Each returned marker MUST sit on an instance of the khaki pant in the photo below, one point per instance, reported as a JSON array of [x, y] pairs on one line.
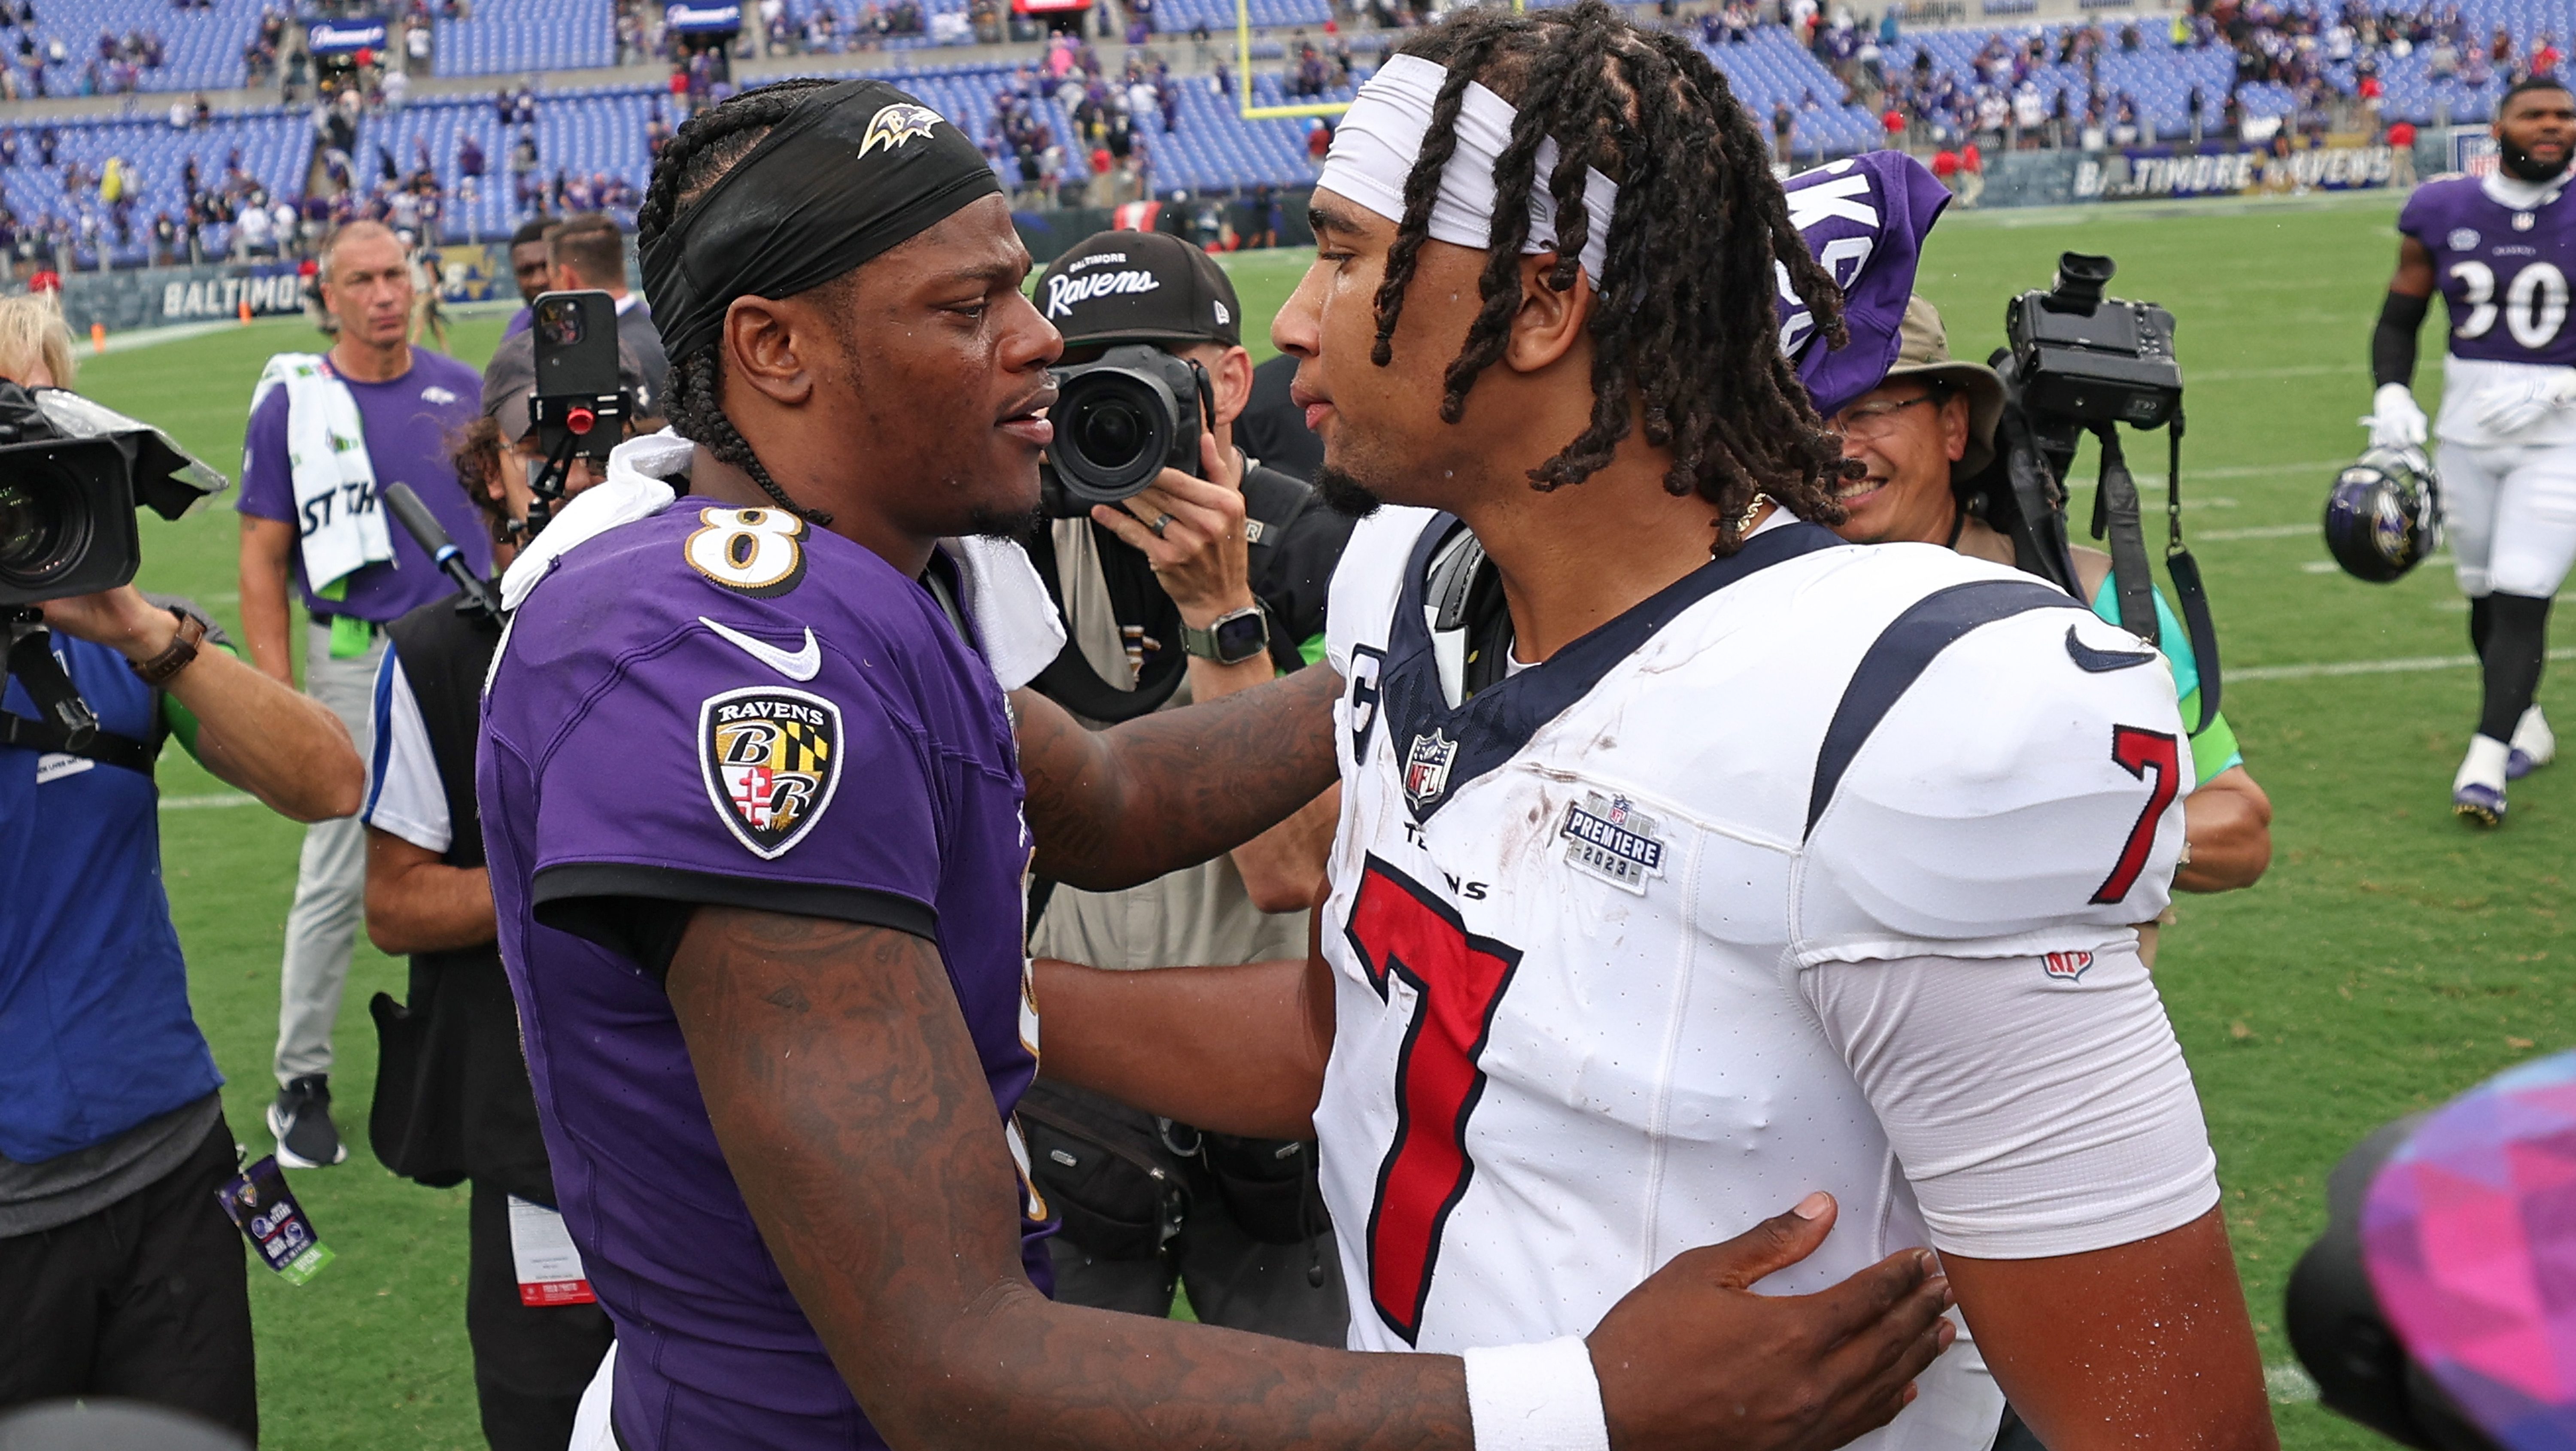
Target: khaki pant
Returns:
[[331, 876]]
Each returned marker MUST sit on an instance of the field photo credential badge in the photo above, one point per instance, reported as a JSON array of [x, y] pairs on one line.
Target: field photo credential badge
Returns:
[[259, 1203]]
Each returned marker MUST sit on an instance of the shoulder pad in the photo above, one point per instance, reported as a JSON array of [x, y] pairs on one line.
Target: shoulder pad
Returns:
[[2021, 792]]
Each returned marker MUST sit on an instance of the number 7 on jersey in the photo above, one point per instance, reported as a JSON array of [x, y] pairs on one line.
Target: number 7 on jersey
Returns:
[[1401, 930]]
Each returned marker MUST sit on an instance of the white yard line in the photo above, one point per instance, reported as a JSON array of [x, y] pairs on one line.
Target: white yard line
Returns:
[[2289, 1384], [2400, 666], [203, 803]]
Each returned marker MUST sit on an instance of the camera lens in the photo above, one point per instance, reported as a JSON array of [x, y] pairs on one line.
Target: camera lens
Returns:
[[1112, 433], [1108, 433], [42, 529]]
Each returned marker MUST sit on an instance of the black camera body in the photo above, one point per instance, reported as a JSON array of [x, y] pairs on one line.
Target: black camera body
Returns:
[[2082, 358], [72, 474], [1119, 422], [2080, 364]]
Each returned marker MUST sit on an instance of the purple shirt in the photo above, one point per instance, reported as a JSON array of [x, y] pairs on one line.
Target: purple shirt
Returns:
[[859, 766], [520, 321], [1864, 219], [2503, 270], [411, 424]]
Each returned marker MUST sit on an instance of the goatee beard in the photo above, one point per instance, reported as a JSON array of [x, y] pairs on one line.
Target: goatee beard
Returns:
[[1015, 524], [2519, 164], [1345, 495]]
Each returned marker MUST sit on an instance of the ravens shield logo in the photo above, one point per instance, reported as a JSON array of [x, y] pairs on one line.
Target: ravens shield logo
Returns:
[[771, 757]]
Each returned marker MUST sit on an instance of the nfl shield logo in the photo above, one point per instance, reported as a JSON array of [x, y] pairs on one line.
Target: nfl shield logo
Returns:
[[1426, 768], [770, 757]]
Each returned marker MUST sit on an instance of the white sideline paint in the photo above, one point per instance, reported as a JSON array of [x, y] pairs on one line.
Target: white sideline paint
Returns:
[[2401, 666]]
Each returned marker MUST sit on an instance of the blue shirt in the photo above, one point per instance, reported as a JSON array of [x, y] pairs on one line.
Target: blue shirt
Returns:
[[96, 1035], [854, 762]]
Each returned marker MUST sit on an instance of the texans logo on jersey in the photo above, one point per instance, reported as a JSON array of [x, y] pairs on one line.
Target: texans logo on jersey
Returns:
[[771, 757]]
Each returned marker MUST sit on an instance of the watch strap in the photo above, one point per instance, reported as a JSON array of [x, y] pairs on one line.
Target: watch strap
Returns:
[[1206, 645], [181, 650]]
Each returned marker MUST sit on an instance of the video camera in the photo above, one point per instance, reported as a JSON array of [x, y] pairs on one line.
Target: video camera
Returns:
[[72, 475], [1119, 422], [2078, 363]]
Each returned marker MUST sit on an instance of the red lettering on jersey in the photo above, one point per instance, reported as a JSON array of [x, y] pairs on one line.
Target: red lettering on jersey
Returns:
[[1399, 929], [2138, 750]]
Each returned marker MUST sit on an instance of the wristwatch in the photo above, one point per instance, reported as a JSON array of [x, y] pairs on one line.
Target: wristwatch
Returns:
[[1234, 637], [175, 657]]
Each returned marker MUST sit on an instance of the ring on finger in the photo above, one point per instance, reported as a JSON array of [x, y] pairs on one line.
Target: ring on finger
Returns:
[[1160, 524]]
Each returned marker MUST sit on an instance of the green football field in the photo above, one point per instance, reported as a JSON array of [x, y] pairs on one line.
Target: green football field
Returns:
[[2392, 957]]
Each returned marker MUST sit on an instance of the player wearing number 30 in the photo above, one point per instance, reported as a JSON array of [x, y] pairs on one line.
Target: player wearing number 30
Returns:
[[2501, 249]]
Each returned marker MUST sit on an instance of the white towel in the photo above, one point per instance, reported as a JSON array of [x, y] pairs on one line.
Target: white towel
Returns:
[[336, 506], [1004, 595]]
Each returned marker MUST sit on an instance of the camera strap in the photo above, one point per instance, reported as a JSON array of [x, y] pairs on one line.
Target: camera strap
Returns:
[[105, 747], [2188, 594], [2115, 505]]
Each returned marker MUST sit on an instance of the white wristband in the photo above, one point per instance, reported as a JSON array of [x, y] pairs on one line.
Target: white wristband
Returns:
[[1535, 1398]]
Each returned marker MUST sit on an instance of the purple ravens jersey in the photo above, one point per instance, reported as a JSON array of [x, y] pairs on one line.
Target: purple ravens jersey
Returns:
[[724, 705], [2503, 270], [1864, 218]]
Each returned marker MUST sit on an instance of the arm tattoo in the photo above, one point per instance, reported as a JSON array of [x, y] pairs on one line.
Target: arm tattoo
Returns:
[[854, 1114], [1117, 807]]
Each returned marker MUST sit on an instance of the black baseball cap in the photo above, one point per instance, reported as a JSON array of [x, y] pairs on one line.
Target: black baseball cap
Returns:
[[1139, 287]]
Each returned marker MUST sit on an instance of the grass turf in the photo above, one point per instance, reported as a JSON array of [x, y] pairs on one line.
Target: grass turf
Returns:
[[2392, 957]]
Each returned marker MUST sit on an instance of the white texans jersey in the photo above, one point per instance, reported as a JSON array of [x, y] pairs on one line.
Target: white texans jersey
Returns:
[[1568, 917]]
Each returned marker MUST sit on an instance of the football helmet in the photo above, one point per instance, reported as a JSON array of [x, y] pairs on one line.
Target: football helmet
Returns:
[[2384, 515]]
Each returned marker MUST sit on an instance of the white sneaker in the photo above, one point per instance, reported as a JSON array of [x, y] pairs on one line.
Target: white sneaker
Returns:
[[2477, 792], [2533, 746]]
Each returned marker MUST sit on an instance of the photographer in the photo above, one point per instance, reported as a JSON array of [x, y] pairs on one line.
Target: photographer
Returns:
[[1192, 588], [124, 1276], [588, 251], [1921, 436], [312, 523], [452, 1098]]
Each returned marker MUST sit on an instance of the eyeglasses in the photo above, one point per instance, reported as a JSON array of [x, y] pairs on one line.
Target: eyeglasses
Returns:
[[1871, 422]]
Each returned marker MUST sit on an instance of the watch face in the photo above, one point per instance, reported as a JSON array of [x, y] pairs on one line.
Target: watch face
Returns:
[[1242, 637]]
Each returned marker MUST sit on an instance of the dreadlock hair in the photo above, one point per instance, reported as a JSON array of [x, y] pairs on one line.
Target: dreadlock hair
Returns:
[[708, 145], [1683, 320]]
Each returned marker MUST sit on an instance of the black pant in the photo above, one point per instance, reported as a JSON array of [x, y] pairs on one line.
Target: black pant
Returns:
[[1233, 1279], [531, 1362], [147, 1299]]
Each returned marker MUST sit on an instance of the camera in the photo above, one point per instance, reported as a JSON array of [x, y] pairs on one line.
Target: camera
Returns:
[[72, 474], [1119, 422], [2082, 358], [2079, 363]]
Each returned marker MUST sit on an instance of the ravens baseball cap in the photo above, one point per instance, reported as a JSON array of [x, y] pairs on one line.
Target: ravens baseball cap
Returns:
[[510, 380], [1139, 287]]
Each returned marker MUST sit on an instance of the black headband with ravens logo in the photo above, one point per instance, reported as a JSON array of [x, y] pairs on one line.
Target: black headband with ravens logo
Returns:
[[854, 170]]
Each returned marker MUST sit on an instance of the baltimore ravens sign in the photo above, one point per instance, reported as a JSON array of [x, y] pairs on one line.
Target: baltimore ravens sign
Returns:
[[771, 757]]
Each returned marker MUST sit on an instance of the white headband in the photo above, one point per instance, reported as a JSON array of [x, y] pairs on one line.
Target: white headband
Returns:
[[1381, 137]]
